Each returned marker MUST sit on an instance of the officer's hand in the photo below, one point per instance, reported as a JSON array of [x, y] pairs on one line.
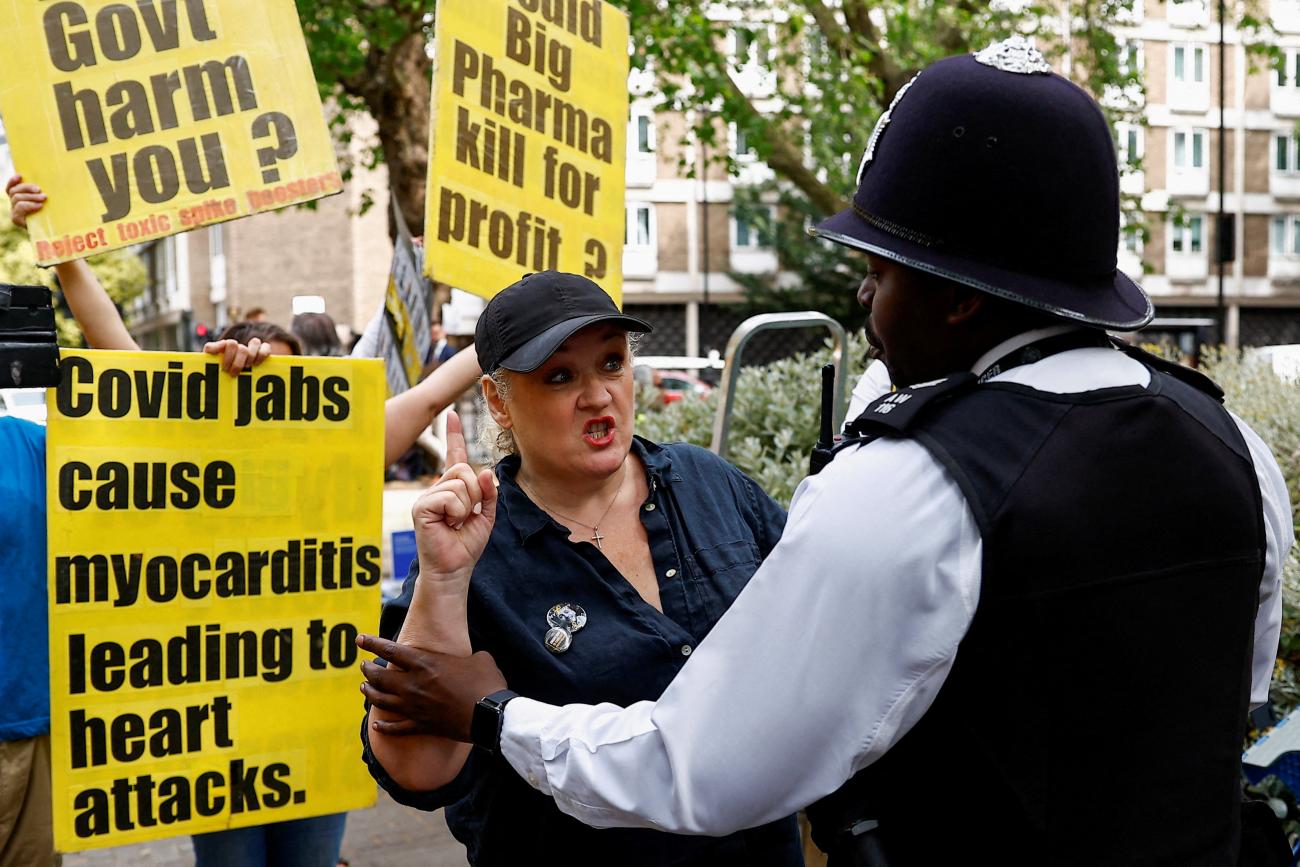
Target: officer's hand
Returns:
[[436, 693]]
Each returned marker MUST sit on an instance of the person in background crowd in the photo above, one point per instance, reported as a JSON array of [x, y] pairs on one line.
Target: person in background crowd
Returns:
[[611, 559], [985, 598], [318, 333], [439, 349], [256, 314]]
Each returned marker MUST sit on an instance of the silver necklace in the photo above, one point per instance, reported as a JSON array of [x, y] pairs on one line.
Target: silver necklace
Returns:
[[596, 536]]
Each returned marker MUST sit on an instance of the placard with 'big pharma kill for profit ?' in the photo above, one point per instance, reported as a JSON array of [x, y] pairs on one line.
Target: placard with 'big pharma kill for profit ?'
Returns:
[[527, 148]]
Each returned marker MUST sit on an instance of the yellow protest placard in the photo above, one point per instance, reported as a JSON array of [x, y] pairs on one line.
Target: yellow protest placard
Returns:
[[214, 549], [527, 147], [146, 119]]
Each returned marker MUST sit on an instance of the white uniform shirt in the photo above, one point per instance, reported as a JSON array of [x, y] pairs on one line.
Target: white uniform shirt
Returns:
[[837, 646]]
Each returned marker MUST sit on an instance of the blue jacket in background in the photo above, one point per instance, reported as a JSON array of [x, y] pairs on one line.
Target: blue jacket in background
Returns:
[[24, 631]]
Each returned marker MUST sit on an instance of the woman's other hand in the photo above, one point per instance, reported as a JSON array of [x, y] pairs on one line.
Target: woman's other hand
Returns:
[[236, 357], [454, 518]]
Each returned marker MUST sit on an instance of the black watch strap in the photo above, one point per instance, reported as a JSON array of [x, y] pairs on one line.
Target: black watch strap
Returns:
[[489, 717]]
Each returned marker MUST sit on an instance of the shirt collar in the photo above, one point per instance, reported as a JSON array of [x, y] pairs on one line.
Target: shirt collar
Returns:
[[528, 518], [1011, 344]]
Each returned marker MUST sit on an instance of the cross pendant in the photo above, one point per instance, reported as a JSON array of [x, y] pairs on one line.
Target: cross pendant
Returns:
[[596, 537]]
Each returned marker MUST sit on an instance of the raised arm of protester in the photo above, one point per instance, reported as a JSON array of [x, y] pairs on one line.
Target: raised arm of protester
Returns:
[[95, 312], [409, 413], [89, 303]]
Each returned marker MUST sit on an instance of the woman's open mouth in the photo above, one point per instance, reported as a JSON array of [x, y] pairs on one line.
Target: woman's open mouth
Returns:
[[599, 431]]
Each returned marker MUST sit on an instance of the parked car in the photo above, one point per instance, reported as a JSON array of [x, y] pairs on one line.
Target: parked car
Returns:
[[28, 403], [676, 376]]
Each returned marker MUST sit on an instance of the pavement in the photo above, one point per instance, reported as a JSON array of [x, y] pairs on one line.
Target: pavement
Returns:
[[386, 835]]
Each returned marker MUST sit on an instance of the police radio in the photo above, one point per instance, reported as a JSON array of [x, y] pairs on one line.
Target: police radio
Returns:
[[29, 348], [824, 450]]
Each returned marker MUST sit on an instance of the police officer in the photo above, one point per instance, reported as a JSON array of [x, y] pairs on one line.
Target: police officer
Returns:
[[1024, 612]]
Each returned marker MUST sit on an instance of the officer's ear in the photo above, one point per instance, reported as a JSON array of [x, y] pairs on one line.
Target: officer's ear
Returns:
[[964, 304]]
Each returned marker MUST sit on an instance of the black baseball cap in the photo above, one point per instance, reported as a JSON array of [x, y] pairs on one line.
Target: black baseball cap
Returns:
[[526, 322]]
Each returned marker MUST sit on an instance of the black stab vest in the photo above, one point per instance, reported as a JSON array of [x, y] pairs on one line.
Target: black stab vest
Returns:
[[1096, 709]]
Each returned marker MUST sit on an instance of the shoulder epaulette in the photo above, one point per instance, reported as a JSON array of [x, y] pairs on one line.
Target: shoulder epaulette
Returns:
[[894, 413]]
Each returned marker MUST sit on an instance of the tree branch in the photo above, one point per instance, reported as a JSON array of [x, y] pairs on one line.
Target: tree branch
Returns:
[[891, 75], [785, 157], [837, 37]]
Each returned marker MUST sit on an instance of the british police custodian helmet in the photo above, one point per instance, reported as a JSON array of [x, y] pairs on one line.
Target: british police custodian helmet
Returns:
[[993, 171]]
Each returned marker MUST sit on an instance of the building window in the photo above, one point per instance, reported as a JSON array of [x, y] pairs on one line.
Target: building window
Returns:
[[645, 136], [1131, 144], [1189, 150], [1189, 64], [1288, 71], [1129, 57], [753, 234], [1131, 237], [1286, 235], [751, 46], [639, 229], [1185, 236], [742, 146], [1286, 155]]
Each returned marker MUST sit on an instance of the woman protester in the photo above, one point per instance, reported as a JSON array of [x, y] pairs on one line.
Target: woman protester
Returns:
[[603, 560]]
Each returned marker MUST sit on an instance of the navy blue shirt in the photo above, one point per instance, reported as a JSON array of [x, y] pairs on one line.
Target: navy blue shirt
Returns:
[[708, 526]]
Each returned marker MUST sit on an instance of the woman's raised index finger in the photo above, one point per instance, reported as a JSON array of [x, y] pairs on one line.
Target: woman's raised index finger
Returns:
[[456, 451]]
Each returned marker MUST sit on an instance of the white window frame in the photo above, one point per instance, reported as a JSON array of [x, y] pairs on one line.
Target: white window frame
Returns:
[[1190, 51], [1123, 132], [1135, 235], [752, 60], [751, 230], [1277, 141], [1132, 56], [737, 137], [1190, 231], [638, 119], [1288, 77], [1289, 225], [631, 228], [1189, 136]]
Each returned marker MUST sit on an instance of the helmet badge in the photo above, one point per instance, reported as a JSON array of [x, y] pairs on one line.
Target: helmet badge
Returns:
[[1014, 54]]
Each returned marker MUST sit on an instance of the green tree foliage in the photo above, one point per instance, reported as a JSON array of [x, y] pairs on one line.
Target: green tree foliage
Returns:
[[1271, 406], [121, 272], [774, 420], [371, 56]]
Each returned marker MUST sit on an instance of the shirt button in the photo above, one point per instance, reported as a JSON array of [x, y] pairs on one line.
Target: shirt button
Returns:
[[670, 573], [532, 779], [649, 507], [686, 650]]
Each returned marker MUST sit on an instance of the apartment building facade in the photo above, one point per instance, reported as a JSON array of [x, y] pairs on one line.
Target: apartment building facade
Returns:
[[1170, 166]]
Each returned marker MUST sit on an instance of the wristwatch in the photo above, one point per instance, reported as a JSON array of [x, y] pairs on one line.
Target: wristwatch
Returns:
[[489, 717]]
